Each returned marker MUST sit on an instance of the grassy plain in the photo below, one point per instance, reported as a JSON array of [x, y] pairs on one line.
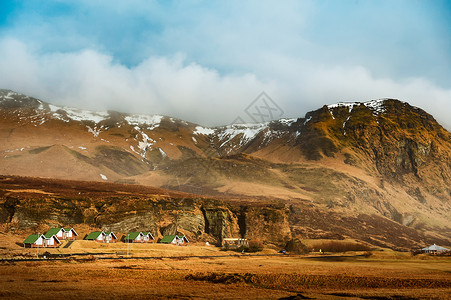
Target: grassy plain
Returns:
[[383, 275]]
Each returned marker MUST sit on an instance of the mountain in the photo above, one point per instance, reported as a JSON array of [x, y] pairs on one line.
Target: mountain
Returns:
[[379, 163]]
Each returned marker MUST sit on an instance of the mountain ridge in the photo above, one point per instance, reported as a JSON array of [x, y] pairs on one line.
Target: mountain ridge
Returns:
[[381, 157]]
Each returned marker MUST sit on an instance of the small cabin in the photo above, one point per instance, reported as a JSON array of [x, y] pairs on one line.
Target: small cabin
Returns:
[[148, 237], [60, 233], [234, 243], [34, 241], [71, 234], [110, 237], [134, 237], [98, 236], [434, 249], [63, 233], [174, 239], [102, 237], [51, 241]]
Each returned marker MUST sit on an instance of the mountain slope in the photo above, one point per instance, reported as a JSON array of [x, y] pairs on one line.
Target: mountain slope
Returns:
[[380, 158]]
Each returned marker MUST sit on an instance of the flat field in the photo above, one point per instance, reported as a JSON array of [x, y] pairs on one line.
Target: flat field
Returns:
[[383, 275]]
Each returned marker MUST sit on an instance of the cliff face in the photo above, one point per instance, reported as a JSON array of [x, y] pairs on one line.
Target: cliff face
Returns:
[[399, 140], [383, 159], [29, 203]]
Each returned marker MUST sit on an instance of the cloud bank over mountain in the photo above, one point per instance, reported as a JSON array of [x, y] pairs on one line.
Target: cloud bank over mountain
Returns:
[[207, 62]]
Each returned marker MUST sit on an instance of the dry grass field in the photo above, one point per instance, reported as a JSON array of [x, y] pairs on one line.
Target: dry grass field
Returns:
[[383, 275]]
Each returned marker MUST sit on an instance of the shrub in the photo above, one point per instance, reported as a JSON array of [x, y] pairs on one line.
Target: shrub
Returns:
[[296, 246], [255, 246]]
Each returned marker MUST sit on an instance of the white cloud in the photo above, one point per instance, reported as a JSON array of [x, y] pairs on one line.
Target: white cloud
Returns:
[[176, 87]]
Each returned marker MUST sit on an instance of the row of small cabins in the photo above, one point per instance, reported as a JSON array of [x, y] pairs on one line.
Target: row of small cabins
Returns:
[[53, 237]]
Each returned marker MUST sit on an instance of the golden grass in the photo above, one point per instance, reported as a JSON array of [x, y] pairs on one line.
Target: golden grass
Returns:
[[230, 277]]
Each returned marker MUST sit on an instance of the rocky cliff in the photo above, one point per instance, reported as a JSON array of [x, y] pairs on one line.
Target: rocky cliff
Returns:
[[27, 203], [379, 164]]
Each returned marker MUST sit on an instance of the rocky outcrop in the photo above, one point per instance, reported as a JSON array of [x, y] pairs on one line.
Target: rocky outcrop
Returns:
[[267, 224]]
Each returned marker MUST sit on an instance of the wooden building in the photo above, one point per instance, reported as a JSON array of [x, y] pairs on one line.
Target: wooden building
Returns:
[[102, 237], [34, 241], [41, 241], [148, 237], [175, 240], [71, 234], [63, 233], [98, 236], [234, 243], [134, 237], [51, 241], [110, 237]]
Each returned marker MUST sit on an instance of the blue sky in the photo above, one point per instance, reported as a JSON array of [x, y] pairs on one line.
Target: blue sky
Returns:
[[205, 61]]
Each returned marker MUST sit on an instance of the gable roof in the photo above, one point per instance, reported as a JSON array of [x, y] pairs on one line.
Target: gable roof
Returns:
[[54, 237], [148, 233], [110, 232], [49, 235], [52, 231], [435, 248], [71, 229], [32, 238], [132, 235], [168, 238], [93, 235]]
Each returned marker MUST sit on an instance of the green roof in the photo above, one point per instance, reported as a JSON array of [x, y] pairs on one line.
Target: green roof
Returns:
[[31, 239], [48, 235], [71, 229], [110, 232], [167, 238], [132, 235], [93, 235], [52, 231]]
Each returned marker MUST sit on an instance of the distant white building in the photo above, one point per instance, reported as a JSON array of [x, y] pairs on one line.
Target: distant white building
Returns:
[[234, 243], [434, 249]]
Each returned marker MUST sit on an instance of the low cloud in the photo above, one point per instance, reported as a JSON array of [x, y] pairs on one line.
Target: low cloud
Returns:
[[174, 86]]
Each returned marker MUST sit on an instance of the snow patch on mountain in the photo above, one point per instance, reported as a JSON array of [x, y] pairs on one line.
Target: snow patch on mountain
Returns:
[[162, 152], [246, 131], [96, 130], [145, 144], [203, 130], [287, 122], [377, 106], [151, 121], [77, 114]]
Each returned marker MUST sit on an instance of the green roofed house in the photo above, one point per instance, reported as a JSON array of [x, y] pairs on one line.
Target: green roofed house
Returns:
[[134, 237], [34, 241], [70, 233], [102, 237], [174, 239], [148, 237], [59, 232], [51, 241], [98, 236], [63, 233], [110, 237]]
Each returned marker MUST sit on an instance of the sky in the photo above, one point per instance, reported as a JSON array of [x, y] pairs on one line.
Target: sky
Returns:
[[207, 61]]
